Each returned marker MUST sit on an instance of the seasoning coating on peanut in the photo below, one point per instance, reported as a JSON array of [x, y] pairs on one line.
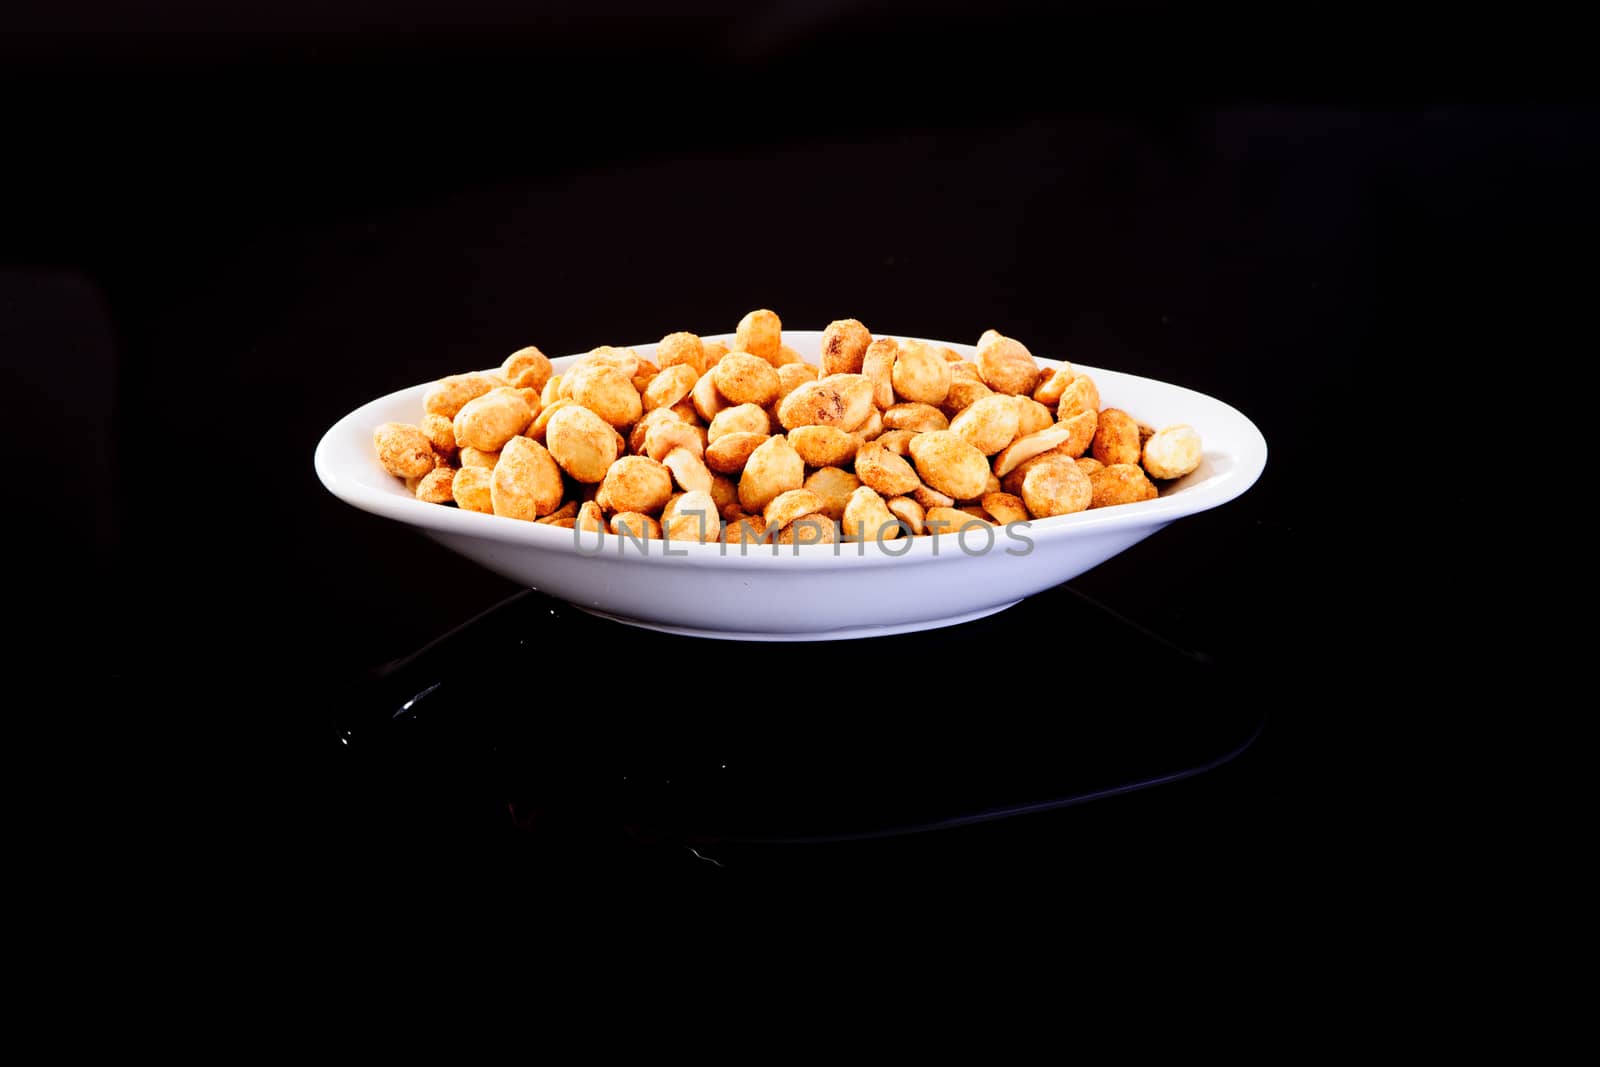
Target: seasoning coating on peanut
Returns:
[[1025, 448], [1079, 396], [909, 512], [741, 418], [441, 433], [844, 344], [688, 470], [1052, 383], [1006, 365], [773, 468], [1005, 507], [787, 507], [582, 442], [694, 517], [885, 471], [1172, 452], [988, 424], [607, 392], [819, 403], [746, 379], [1116, 438], [527, 368], [668, 435], [404, 450], [964, 392], [949, 464], [635, 483], [792, 376], [636, 525], [729, 453], [834, 486], [760, 333], [435, 486], [489, 421], [450, 394], [868, 518], [473, 457], [1120, 483], [1056, 486], [918, 418], [823, 446], [526, 482], [878, 365], [673, 384], [1032, 416], [814, 529], [682, 350], [1080, 431], [470, 489], [921, 374]]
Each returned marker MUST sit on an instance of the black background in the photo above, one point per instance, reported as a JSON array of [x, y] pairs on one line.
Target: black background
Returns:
[[224, 231]]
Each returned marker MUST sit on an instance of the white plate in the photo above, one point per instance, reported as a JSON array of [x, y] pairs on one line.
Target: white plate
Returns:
[[811, 592]]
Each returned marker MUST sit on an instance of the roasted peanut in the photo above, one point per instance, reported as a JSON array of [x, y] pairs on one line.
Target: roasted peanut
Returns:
[[1005, 508], [844, 344], [787, 357], [636, 525], [694, 517], [814, 529], [688, 469], [607, 392], [435, 486], [746, 531], [920, 374], [470, 489], [685, 410], [1032, 416], [792, 376], [1120, 483], [625, 361], [819, 403], [918, 418], [868, 518], [1088, 464], [988, 424], [472, 457], [741, 418], [1025, 448], [725, 495], [823, 446], [635, 483], [787, 507], [713, 351], [404, 450], [526, 482], [672, 385], [569, 510], [1172, 452], [833, 486], [590, 519], [1080, 395], [1080, 431], [647, 374], [949, 464], [760, 333], [878, 366], [450, 394], [641, 429], [883, 470], [527, 368], [489, 421], [1116, 438], [682, 350], [667, 435], [872, 428], [964, 392], [897, 441], [729, 453], [582, 442], [928, 498], [1052, 383], [773, 468], [541, 423], [909, 512], [746, 379], [441, 433], [551, 391], [1055, 486], [950, 520], [1006, 365]]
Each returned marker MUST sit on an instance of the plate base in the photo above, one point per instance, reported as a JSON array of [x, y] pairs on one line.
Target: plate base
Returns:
[[847, 634]]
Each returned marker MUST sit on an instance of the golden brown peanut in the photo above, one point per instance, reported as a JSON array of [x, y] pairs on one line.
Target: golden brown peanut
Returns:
[[569, 510], [688, 470], [897, 441], [909, 512], [1088, 464], [918, 418], [450, 394], [815, 529], [741, 418], [682, 350], [636, 525], [949, 464], [1005, 507], [965, 369], [1172, 452], [1120, 483], [977, 512], [885, 471], [647, 374], [823, 446], [404, 450], [1032, 416], [489, 421], [669, 387], [1080, 431], [625, 361], [530, 397], [666, 512], [834, 486], [551, 391], [1053, 381], [844, 343], [1055, 487], [1006, 365], [590, 519], [582, 442], [441, 433], [819, 403], [988, 424], [868, 518], [541, 423], [635, 483], [694, 518], [1080, 395], [470, 489], [641, 429], [745, 530], [792, 376], [472, 457], [707, 400], [527, 368], [713, 351], [787, 507], [1146, 431], [1025, 448], [685, 410], [872, 428], [746, 379], [565, 524], [729, 453], [773, 468], [964, 392], [878, 365], [787, 357], [1116, 438], [607, 392], [857, 391], [760, 333], [950, 520], [526, 482], [725, 495], [435, 487], [920, 374], [668, 435], [927, 498]]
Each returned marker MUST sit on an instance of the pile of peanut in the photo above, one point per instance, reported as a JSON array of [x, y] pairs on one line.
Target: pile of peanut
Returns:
[[751, 444]]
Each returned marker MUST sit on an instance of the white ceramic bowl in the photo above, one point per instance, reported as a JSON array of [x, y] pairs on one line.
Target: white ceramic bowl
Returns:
[[811, 592]]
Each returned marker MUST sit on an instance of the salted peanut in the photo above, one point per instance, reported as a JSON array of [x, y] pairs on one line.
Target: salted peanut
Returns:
[[977, 512], [713, 351], [565, 524], [1055, 486], [819, 403], [707, 399], [623, 360], [569, 510], [404, 450], [1005, 507], [1116, 438], [1053, 381], [918, 418], [682, 350], [647, 374], [641, 429], [872, 428], [474, 457], [1172, 452], [526, 368], [590, 518], [792, 376], [470, 489], [787, 507], [1080, 431], [686, 413], [950, 520], [949, 464], [1088, 464], [787, 357], [694, 518], [1006, 365], [760, 333], [551, 391], [635, 483], [526, 482], [1120, 483], [988, 424], [868, 518], [636, 525], [582, 442], [435, 486], [878, 365], [844, 343], [920, 374], [725, 494], [931, 498], [541, 423], [773, 468], [897, 441], [1032, 416], [885, 471], [858, 393], [964, 392], [964, 369], [834, 486], [441, 434], [450, 394], [666, 512], [746, 530], [1025, 448], [815, 529], [489, 421], [729, 453], [823, 446], [688, 470], [1080, 395], [741, 418], [909, 512], [668, 435], [672, 385], [607, 392]]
